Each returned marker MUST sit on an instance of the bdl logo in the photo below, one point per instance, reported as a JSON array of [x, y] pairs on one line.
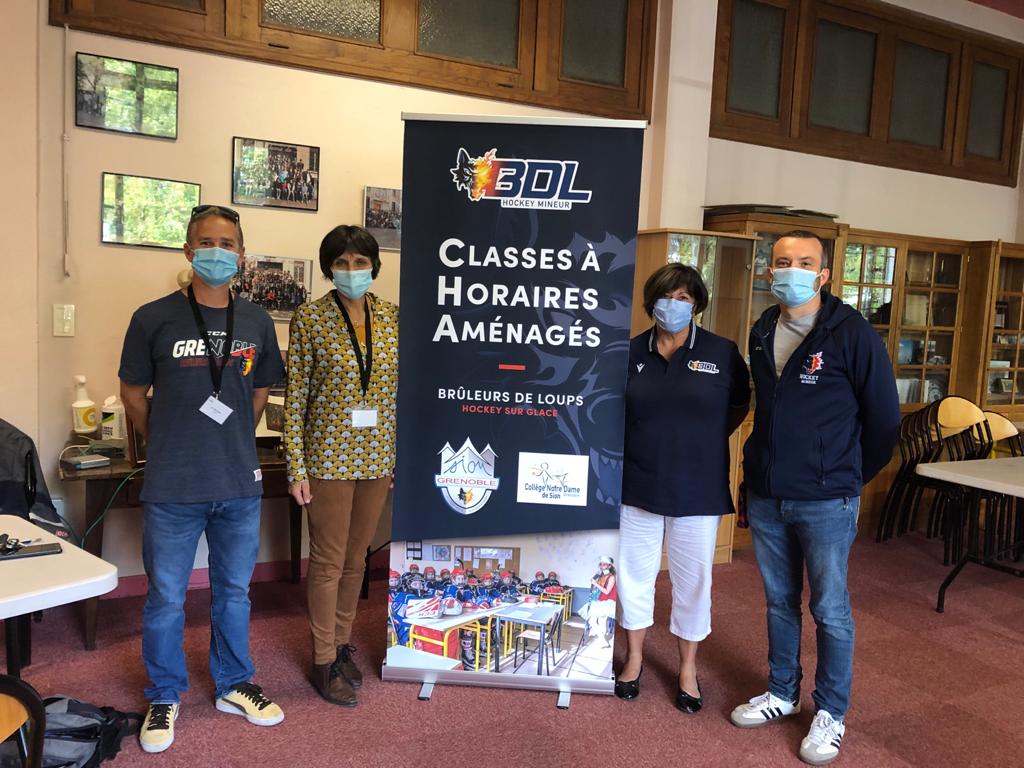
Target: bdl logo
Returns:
[[518, 183], [467, 477]]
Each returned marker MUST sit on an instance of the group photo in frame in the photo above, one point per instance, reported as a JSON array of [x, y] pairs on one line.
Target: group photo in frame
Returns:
[[147, 211], [278, 284], [382, 216], [275, 174], [126, 96]]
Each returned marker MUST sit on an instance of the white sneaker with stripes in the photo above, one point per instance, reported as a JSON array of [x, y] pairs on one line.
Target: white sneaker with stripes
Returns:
[[762, 710], [821, 745]]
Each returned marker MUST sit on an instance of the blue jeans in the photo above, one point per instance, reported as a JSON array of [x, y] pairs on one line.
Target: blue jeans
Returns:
[[170, 536], [788, 534]]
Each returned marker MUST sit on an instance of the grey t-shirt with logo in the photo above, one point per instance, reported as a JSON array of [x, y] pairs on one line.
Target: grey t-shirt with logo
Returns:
[[189, 457], [789, 334]]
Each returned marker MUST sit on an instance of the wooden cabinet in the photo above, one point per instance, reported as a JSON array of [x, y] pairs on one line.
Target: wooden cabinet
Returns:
[[991, 361], [724, 261], [766, 229], [909, 288]]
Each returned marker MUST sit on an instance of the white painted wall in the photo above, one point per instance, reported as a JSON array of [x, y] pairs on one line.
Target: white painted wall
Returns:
[[19, 331]]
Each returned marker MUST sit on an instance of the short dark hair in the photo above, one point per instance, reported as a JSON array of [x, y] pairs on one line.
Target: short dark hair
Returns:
[[803, 234], [201, 212], [672, 277], [345, 239]]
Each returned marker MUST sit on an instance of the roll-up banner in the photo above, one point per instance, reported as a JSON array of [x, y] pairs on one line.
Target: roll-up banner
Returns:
[[518, 248]]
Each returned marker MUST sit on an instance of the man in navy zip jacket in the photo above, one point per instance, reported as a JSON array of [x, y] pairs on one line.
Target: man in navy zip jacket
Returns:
[[825, 423]]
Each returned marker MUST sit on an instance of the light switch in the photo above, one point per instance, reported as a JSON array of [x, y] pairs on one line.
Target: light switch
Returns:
[[63, 319]]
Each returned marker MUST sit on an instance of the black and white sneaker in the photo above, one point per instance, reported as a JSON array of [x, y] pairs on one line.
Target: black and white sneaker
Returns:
[[762, 710], [821, 745]]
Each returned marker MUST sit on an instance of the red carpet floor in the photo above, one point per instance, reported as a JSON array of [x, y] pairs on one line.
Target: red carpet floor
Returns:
[[929, 689]]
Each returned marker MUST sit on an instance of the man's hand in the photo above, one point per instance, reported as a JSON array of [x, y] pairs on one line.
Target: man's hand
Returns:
[[299, 491]]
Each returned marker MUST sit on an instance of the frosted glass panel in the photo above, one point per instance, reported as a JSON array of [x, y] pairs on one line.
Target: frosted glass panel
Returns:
[[479, 30], [591, 51], [353, 19], [919, 95], [844, 69], [988, 106], [755, 58]]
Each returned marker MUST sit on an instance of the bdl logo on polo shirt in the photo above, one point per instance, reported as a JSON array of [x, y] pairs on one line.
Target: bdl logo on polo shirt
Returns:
[[702, 367], [467, 477]]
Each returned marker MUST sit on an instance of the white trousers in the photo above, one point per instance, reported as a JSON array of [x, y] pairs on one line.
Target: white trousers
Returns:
[[690, 545]]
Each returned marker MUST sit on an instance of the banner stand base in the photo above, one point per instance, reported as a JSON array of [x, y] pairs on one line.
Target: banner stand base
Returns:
[[428, 679]]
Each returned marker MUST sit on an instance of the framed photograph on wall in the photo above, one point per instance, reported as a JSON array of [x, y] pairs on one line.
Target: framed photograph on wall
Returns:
[[274, 174], [141, 210], [279, 285], [382, 216], [126, 96], [442, 553]]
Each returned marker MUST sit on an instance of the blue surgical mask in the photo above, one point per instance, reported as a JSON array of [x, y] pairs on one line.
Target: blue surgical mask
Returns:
[[793, 286], [672, 314], [353, 283], [214, 266]]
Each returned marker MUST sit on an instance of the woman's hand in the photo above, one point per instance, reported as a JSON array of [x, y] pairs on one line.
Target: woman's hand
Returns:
[[299, 491]]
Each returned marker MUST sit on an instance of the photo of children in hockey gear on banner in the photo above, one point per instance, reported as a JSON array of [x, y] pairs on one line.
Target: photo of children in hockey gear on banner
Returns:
[[517, 605]]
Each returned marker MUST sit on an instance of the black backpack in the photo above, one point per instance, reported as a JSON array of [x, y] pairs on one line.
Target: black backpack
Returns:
[[80, 735]]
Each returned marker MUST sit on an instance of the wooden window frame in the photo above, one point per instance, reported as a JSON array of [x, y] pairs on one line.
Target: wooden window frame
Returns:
[[982, 166], [729, 125], [235, 27], [793, 130]]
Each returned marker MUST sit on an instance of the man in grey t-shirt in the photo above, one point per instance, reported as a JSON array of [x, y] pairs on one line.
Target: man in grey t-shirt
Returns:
[[210, 359]]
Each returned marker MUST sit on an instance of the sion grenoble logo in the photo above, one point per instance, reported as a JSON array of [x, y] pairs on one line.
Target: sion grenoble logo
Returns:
[[467, 477], [519, 183]]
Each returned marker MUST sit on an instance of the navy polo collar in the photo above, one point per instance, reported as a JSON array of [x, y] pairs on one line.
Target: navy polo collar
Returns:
[[692, 338]]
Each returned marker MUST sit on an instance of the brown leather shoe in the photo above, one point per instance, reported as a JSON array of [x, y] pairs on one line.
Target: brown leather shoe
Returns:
[[334, 688], [345, 666]]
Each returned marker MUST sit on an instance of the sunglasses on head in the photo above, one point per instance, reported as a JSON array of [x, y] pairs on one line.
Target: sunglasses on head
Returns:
[[227, 213]]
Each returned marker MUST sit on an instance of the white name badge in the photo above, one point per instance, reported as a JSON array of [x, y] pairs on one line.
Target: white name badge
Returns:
[[364, 417], [215, 409]]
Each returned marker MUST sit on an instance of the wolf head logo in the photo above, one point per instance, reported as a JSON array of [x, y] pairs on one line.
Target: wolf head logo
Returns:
[[814, 363]]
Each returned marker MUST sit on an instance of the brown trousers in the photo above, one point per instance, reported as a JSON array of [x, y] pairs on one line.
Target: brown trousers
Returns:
[[342, 518]]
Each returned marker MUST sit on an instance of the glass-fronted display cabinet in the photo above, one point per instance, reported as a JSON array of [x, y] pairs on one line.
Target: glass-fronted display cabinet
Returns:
[[766, 228], [723, 260], [909, 290], [1004, 375]]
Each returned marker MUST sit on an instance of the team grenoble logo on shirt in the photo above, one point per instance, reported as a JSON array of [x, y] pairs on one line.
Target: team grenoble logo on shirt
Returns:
[[815, 362]]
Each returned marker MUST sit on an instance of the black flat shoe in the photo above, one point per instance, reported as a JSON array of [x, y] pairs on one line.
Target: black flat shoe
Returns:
[[687, 703], [628, 689]]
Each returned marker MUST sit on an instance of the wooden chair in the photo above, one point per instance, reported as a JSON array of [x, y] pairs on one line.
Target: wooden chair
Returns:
[[22, 715]]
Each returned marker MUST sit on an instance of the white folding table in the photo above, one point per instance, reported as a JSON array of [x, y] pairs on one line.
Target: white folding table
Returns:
[[1004, 476], [31, 584]]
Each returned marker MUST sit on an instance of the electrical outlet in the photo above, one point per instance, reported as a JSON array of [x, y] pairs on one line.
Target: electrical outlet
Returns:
[[63, 319]]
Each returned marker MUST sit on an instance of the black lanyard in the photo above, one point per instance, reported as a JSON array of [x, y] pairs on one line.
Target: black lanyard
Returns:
[[364, 367], [216, 371]]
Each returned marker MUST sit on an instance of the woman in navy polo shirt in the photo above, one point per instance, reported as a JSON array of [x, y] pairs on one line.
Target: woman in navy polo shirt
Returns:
[[686, 391]]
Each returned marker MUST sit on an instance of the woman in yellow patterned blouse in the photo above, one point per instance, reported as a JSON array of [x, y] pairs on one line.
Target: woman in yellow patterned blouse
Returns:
[[340, 442]]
